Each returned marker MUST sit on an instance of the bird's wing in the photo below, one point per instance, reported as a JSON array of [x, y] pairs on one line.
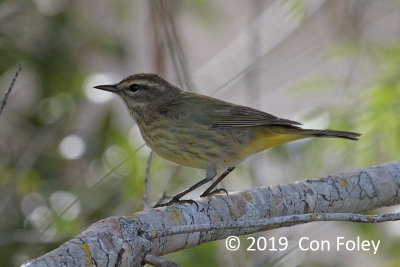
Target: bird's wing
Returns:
[[217, 113], [240, 116]]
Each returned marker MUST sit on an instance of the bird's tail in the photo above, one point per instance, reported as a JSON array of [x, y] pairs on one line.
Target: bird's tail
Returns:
[[330, 133]]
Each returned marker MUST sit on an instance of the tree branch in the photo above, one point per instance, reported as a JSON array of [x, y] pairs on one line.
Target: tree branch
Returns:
[[275, 222], [140, 237]]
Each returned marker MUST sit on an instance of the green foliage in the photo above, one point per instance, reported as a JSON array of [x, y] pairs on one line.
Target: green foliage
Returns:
[[296, 8], [380, 113], [196, 256], [371, 109]]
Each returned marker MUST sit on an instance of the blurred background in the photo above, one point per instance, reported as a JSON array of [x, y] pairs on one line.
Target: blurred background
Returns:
[[70, 155]]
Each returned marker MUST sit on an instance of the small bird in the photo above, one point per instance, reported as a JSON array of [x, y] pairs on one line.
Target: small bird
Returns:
[[203, 132]]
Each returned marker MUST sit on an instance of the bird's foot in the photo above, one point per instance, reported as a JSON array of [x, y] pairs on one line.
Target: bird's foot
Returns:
[[216, 191], [176, 201]]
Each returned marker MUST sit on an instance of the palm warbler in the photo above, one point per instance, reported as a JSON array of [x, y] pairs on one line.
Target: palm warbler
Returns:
[[203, 132]]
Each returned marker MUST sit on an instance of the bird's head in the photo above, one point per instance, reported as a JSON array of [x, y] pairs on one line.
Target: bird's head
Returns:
[[143, 91]]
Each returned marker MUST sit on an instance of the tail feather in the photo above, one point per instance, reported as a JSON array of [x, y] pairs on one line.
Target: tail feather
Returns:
[[331, 133]]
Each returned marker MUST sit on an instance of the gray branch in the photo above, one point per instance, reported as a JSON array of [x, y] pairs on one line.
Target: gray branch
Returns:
[[275, 222], [144, 236]]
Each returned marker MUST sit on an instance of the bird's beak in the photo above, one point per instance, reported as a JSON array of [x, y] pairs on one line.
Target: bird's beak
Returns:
[[111, 88]]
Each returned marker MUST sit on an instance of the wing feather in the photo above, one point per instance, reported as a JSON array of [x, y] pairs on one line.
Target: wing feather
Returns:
[[225, 114], [218, 113]]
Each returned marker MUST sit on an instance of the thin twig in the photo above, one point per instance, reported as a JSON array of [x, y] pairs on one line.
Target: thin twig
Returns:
[[158, 261], [4, 102], [146, 180], [277, 222]]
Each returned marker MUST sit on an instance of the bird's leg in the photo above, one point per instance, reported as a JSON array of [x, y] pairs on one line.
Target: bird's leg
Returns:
[[222, 176], [211, 172]]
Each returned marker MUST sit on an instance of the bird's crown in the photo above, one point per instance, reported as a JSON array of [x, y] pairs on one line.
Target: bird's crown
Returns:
[[148, 79]]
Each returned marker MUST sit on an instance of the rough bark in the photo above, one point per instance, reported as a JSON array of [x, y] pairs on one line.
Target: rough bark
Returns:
[[126, 240]]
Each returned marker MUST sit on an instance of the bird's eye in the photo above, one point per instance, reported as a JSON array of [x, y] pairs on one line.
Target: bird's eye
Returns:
[[134, 87]]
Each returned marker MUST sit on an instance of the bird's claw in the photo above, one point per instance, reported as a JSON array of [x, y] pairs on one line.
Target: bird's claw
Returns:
[[162, 198], [177, 201], [216, 191]]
